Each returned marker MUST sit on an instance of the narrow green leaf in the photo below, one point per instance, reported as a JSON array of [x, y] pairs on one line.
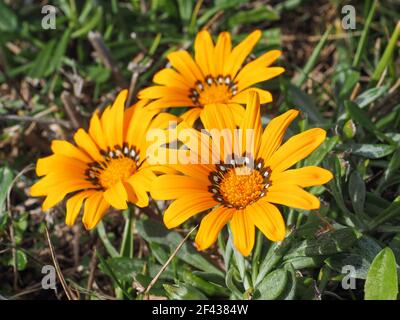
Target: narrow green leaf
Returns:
[[89, 25], [364, 35], [183, 292], [305, 103], [8, 19], [387, 54], [370, 151], [104, 238], [357, 192], [364, 120], [6, 177], [312, 60], [390, 212], [369, 96], [329, 243], [127, 236]]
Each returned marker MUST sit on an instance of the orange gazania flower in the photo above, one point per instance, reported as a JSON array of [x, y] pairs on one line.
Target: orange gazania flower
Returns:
[[218, 74], [106, 167], [236, 192]]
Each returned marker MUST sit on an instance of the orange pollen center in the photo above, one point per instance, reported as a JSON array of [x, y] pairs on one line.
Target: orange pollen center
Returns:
[[117, 170], [218, 89], [241, 186], [118, 165]]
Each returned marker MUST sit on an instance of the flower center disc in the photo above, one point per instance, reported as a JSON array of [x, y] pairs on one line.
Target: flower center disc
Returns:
[[116, 170], [215, 94], [241, 186], [218, 89]]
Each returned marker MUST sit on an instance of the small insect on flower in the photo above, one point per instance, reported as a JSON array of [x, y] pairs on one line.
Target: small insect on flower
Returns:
[[243, 188], [106, 167], [218, 74]]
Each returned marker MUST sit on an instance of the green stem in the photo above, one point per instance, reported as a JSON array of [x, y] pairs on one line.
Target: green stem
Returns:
[[256, 255]]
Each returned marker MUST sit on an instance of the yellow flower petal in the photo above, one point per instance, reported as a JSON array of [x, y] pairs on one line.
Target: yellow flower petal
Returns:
[[222, 50], [96, 132], [74, 205], [67, 149], [243, 231], [191, 116], [171, 78], [185, 207], [117, 196], [303, 177], [240, 52], [94, 210], [295, 149], [242, 96], [183, 62], [57, 162], [258, 75], [169, 186], [251, 124], [291, 196], [268, 219], [204, 50], [273, 135], [211, 225], [85, 142], [259, 63]]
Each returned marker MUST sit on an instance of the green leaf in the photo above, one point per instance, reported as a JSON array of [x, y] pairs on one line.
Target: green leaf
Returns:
[[318, 155], [8, 19], [290, 290], [382, 282], [211, 289], [305, 103], [327, 244], [387, 54], [305, 262], [59, 52], [6, 177], [185, 10], [364, 120], [360, 257], [40, 65], [106, 242], [254, 15], [357, 192], [21, 260], [364, 35], [369, 96], [89, 25], [312, 60], [390, 212], [153, 231], [183, 292], [273, 257], [127, 236], [122, 268], [370, 151], [272, 286]]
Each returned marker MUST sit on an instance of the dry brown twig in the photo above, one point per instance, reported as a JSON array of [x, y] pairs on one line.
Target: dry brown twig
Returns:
[[104, 54], [152, 283], [70, 295]]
